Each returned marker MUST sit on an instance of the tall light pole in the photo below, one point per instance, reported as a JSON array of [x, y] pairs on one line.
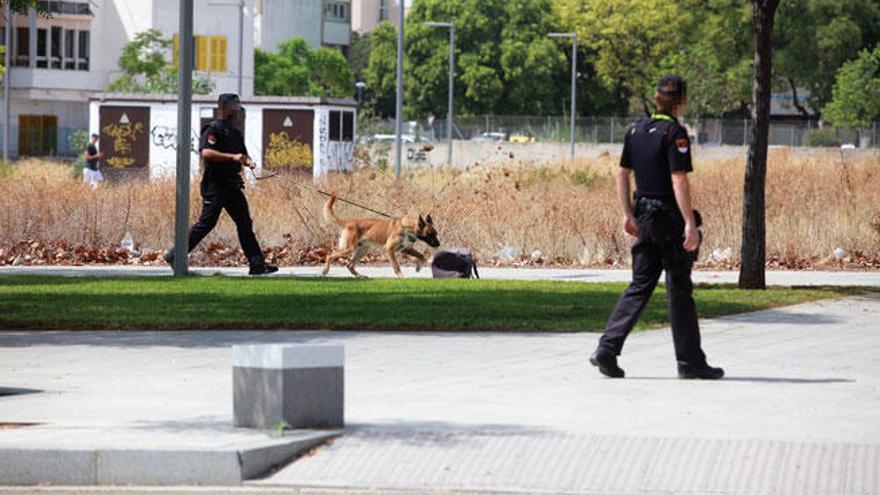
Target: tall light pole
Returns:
[[574, 52], [398, 152], [184, 146], [451, 26], [7, 58]]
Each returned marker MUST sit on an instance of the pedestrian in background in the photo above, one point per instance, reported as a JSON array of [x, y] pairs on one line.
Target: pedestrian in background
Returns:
[[92, 171]]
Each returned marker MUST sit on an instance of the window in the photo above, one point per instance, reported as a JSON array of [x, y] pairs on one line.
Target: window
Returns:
[[336, 11], [83, 57], [55, 48], [42, 46], [69, 58], [37, 135], [22, 47], [383, 10], [59, 7], [210, 53], [341, 126]]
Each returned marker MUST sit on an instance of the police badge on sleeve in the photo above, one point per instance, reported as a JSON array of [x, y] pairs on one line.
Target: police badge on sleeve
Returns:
[[681, 145], [212, 139]]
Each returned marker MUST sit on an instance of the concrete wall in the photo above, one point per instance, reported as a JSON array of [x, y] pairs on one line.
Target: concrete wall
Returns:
[[282, 19]]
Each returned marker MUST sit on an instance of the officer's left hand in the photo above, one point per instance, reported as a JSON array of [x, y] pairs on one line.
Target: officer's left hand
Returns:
[[691, 238], [250, 163]]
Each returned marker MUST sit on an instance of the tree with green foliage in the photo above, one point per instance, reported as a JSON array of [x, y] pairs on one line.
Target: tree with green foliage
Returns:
[[298, 70], [813, 38], [855, 102], [505, 64], [359, 54], [22, 7], [145, 68], [627, 40], [380, 74]]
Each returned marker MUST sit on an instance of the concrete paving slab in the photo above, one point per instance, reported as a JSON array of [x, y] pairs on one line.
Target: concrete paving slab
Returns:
[[777, 278], [496, 413]]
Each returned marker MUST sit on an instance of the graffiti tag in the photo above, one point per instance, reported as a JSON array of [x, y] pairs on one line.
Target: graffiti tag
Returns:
[[166, 137]]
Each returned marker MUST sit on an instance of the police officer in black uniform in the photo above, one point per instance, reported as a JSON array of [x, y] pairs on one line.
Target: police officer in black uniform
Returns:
[[222, 148], [665, 228]]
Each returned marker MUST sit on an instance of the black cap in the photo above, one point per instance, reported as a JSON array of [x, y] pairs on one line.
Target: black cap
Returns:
[[229, 100], [95, 136], [672, 85]]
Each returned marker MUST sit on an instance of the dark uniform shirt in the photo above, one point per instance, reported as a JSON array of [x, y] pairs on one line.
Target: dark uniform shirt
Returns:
[[92, 150], [222, 136], [653, 149]]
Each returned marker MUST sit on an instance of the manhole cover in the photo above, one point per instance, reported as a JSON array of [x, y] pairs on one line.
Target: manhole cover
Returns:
[[7, 391], [9, 425]]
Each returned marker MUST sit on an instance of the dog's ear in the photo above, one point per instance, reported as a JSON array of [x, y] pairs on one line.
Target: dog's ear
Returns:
[[421, 222], [428, 219]]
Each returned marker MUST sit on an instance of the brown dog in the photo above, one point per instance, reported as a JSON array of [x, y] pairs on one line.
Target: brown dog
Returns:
[[396, 235]]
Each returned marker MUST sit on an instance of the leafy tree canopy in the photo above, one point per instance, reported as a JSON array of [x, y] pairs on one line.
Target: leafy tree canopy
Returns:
[[856, 93], [298, 70]]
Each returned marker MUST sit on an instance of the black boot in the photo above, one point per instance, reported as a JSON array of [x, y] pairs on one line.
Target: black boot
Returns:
[[607, 364], [262, 269], [705, 372], [169, 256]]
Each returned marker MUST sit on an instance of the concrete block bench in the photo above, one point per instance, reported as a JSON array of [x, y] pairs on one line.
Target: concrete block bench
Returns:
[[301, 385]]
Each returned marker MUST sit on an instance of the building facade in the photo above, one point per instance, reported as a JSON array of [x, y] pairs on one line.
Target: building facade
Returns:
[[319, 22], [367, 14], [59, 63]]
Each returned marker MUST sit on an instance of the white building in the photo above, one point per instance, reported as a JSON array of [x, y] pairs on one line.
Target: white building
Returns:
[[60, 62], [319, 22], [139, 132]]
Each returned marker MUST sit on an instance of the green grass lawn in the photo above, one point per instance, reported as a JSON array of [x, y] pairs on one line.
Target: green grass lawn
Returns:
[[30, 302]]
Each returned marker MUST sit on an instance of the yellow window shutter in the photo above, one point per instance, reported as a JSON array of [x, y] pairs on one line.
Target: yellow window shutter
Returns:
[[202, 53], [176, 50], [221, 67], [215, 52]]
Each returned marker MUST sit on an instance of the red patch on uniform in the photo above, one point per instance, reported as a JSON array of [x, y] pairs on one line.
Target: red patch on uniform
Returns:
[[212, 139], [681, 143]]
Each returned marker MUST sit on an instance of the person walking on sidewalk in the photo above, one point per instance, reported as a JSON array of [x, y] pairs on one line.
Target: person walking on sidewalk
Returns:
[[664, 227], [92, 171], [222, 147]]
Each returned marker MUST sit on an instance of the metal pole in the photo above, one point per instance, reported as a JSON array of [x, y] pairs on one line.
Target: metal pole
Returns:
[[184, 114], [241, 7], [451, 90], [398, 152], [574, 56], [7, 58]]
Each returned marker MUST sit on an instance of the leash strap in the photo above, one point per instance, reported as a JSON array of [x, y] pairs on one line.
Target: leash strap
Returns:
[[318, 191]]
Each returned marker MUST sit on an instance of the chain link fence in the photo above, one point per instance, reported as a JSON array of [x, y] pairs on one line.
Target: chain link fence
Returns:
[[732, 132]]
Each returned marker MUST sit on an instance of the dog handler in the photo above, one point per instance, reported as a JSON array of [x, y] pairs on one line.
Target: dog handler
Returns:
[[664, 226], [222, 147]]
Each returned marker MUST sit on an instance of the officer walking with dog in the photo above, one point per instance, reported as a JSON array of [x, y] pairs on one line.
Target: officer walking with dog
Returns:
[[664, 227], [221, 145]]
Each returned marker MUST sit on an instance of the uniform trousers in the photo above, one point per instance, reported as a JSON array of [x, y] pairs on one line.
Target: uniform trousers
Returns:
[[231, 199]]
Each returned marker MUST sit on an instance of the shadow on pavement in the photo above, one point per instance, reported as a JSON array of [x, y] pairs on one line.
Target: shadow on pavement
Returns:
[[756, 379]]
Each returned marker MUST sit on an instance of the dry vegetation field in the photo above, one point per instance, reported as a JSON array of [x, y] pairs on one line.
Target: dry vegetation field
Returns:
[[561, 214]]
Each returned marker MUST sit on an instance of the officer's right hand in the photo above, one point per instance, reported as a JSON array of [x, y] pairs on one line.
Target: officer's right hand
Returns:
[[240, 158], [691, 238], [629, 227]]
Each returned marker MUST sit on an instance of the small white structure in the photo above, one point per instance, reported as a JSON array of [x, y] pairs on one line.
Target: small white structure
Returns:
[[139, 132]]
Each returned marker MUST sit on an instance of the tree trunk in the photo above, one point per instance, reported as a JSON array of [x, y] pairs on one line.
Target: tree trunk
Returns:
[[751, 275]]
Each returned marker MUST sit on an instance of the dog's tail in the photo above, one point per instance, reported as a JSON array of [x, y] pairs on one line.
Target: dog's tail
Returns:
[[329, 214]]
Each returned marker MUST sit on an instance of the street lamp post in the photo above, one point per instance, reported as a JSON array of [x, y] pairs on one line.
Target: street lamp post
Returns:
[[360, 85], [184, 146], [451, 27], [398, 150], [574, 45]]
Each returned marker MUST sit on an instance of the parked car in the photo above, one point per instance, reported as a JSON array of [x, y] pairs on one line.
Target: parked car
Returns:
[[490, 137]]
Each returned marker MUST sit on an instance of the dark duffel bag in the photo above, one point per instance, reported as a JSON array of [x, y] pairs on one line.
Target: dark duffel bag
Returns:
[[454, 263]]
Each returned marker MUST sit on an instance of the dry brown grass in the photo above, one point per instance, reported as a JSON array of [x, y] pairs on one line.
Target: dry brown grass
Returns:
[[566, 211]]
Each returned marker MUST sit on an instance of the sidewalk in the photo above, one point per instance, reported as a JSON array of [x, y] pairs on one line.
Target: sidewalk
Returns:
[[519, 413], [783, 278]]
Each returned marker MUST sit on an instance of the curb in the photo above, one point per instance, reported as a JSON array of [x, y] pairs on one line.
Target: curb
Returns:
[[219, 467]]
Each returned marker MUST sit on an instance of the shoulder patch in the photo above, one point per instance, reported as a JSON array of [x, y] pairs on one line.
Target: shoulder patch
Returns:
[[212, 139], [682, 145]]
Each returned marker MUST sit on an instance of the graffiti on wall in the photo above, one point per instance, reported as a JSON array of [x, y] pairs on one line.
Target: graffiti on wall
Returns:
[[283, 152], [323, 134], [166, 137], [123, 136], [340, 156]]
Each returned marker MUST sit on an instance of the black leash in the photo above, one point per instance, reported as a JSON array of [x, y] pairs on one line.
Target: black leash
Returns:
[[314, 189]]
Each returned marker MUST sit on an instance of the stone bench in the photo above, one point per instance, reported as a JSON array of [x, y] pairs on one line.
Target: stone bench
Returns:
[[301, 385]]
